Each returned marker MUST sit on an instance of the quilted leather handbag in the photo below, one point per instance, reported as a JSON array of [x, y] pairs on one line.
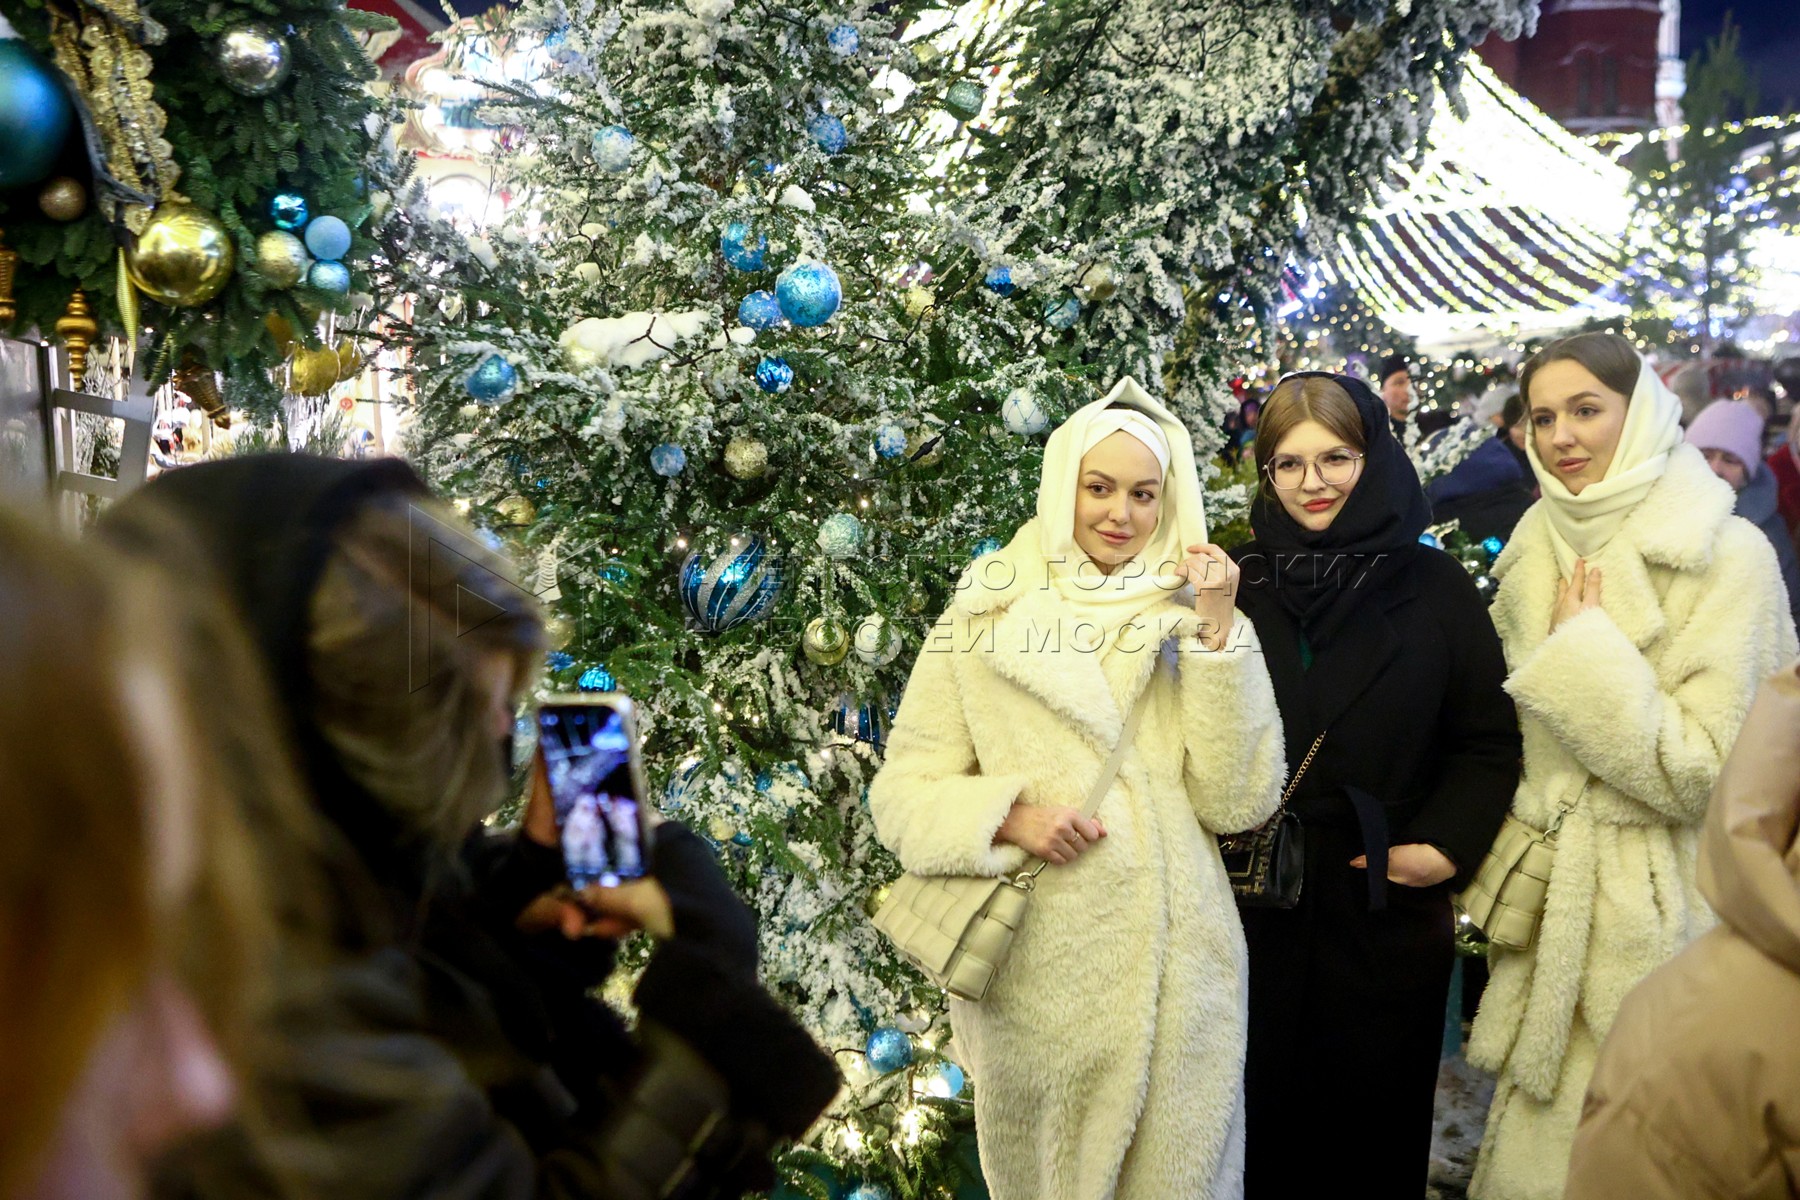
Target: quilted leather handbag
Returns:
[[958, 929], [1506, 898], [1267, 865]]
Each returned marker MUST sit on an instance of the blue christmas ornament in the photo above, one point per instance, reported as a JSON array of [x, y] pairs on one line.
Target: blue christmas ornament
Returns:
[[328, 238], [559, 660], [743, 250], [333, 277], [732, 586], [773, 375], [840, 535], [870, 1191], [809, 293], [888, 1050], [828, 133], [1431, 539], [985, 546], [1061, 314], [844, 40], [1493, 546], [288, 210], [35, 114], [612, 149], [760, 310], [946, 1082], [785, 773], [741, 838], [492, 380], [597, 679], [862, 720], [668, 460], [615, 571], [1000, 281], [890, 440]]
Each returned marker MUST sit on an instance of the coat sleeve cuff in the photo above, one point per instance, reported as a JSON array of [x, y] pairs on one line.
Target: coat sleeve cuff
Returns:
[[1236, 754], [949, 831]]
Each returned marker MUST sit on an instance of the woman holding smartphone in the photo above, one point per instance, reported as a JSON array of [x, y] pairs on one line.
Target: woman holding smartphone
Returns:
[[1639, 616], [1108, 1053], [1388, 675]]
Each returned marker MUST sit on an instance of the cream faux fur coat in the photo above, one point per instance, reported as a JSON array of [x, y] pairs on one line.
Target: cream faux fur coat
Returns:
[[1108, 1057], [1646, 695]]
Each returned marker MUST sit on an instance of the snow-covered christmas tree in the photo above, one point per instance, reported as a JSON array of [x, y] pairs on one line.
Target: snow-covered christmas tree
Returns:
[[762, 353]]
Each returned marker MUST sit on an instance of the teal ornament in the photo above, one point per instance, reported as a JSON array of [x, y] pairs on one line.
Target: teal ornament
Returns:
[[492, 380], [1023, 414], [871, 1191], [888, 1051], [668, 460], [1493, 546], [890, 440], [965, 99], [773, 375], [612, 149], [809, 293], [743, 250], [840, 535], [288, 210], [760, 310], [1431, 539], [844, 40], [35, 115], [731, 586], [999, 281], [333, 277], [828, 133], [597, 679], [985, 546], [328, 238], [741, 838], [1062, 313], [947, 1082]]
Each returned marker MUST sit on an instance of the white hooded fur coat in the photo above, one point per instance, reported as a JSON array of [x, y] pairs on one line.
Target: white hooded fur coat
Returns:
[[1646, 694], [1108, 1057]]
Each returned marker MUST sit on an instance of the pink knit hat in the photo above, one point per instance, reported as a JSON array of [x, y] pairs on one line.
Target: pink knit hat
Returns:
[[1733, 426]]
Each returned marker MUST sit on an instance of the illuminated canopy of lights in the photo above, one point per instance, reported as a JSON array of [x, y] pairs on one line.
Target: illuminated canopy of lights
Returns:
[[1509, 225]]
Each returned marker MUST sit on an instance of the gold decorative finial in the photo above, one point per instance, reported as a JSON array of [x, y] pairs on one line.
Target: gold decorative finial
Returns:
[[78, 329], [9, 261]]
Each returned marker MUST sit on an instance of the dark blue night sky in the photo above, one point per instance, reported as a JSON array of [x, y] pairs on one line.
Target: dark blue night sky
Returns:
[[1771, 42]]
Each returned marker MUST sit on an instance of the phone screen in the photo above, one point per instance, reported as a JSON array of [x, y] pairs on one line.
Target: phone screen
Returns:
[[587, 751]]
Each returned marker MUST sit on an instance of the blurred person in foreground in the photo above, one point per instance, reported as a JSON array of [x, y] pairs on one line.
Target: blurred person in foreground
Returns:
[[456, 1050], [1697, 1091]]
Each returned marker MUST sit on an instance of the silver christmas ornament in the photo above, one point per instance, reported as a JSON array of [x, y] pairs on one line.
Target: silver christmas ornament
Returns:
[[746, 458], [253, 58]]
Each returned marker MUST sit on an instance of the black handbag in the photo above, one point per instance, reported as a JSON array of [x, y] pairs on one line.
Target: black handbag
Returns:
[[1267, 865]]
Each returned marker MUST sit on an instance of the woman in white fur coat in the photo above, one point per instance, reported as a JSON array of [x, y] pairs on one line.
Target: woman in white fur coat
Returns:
[[1638, 617], [1108, 1055]]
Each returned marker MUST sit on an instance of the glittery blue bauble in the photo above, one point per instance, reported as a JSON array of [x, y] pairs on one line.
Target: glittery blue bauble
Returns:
[[888, 1050], [668, 460], [840, 535], [728, 587], [774, 375], [1493, 546], [333, 277], [559, 660], [844, 40], [890, 440], [612, 149], [1061, 314], [828, 133], [328, 238], [760, 310], [615, 572], [492, 380], [35, 115], [288, 210], [786, 773], [986, 546], [862, 720], [1000, 281], [597, 679], [743, 250], [1431, 539], [809, 293]]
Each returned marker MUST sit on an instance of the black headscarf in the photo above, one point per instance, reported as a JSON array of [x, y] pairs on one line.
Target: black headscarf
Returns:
[[1321, 578]]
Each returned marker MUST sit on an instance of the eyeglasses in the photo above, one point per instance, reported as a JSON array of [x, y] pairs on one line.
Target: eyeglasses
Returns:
[[1335, 467]]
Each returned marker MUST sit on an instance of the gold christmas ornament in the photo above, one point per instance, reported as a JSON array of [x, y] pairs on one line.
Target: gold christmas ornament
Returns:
[[350, 361], [825, 642], [517, 510], [281, 258], [872, 904], [9, 262], [312, 372], [183, 257], [77, 329], [746, 458], [919, 299], [199, 384], [283, 331], [1098, 282], [916, 442], [63, 199]]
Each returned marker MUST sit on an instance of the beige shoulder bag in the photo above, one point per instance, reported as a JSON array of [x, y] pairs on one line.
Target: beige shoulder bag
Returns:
[[1506, 898], [957, 929]]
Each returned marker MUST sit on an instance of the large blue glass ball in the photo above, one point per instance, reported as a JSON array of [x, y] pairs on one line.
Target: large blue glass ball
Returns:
[[773, 375], [1062, 313], [288, 210], [612, 149], [328, 238], [889, 1050], [985, 546], [492, 380], [35, 115], [1000, 281], [890, 440], [597, 679], [742, 248], [760, 310], [828, 133], [1493, 546], [809, 293], [844, 40], [947, 1081], [733, 585], [668, 460], [333, 277], [871, 1191]]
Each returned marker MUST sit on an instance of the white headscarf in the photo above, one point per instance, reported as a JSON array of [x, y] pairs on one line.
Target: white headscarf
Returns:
[[1581, 526]]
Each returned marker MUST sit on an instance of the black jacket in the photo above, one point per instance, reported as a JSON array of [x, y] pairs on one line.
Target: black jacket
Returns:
[[1411, 700]]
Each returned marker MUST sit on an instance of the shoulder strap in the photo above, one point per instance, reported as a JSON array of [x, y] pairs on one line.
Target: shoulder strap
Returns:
[[1110, 771]]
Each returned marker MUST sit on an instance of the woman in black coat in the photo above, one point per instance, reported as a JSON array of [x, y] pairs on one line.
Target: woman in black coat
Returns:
[[1384, 646]]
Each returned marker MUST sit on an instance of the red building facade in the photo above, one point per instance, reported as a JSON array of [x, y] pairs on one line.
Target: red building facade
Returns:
[[1593, 65]]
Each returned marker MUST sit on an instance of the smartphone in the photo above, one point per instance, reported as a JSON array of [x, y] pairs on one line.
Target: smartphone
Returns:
[[590, 753]]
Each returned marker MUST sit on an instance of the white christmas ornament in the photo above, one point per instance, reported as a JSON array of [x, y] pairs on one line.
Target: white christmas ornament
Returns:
[[1023, 414], [633, 340], [877, 642]]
